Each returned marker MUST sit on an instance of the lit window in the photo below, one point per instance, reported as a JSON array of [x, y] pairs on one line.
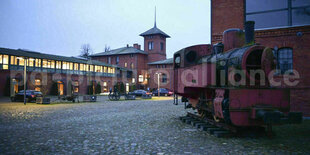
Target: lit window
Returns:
[[65, 65], [5, 62], [31, 62], [104, 84], [58, 64], [5, 59], [97, 68], [0, 59], [133, 80], [140, 78], [125, 64], [284, 59], [91, 68], [132, 65], [13, 60], [150, 45], [105, 69], [81, 67], [76, 66], [37, 82], [21, 61], [86, 67], [44, 63], [75, 86], [38, 62], [71, 66]]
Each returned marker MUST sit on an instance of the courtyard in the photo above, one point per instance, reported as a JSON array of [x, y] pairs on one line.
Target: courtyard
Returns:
[[127, 127]]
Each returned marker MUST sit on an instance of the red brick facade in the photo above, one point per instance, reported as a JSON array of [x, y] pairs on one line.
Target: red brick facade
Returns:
[[155, 54], [230, 14], [166, 69], [48, 79], [142, 72]]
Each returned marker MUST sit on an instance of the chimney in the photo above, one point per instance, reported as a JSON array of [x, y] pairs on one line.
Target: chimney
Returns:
[[137, 46], [232, 38], [249, 32], [127, 45]]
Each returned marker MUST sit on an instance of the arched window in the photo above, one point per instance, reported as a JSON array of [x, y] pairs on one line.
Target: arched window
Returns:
[[284, 59]]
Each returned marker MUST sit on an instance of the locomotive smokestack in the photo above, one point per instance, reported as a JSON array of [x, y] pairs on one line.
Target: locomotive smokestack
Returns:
[[249, 32]]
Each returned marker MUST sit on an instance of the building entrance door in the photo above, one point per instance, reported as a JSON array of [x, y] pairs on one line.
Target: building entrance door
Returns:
[[60, 88], [127, 87], [14, 88]]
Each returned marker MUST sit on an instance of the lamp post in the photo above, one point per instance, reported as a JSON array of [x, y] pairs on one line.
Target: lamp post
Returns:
[[25, 76], [158, 83]]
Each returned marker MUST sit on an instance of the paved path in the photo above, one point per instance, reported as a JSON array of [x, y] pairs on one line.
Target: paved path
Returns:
[[111, 127]]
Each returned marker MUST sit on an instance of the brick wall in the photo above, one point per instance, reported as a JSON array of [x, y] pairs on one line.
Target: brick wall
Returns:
[[153, 83], [224, 15], [156, 53], [47, 80], [230, 14]]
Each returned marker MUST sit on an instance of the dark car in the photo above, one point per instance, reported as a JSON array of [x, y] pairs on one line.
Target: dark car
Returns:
[[31, 95], [139, 92], [162, 92]]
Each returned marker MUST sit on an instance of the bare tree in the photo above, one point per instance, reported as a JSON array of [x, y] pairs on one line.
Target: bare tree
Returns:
[[86, 51], [106, 48]]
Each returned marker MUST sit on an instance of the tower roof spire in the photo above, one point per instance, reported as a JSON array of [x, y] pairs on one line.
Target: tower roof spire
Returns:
[[155, 18]]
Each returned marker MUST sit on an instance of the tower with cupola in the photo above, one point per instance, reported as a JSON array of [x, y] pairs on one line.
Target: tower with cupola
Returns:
[[155, 43]]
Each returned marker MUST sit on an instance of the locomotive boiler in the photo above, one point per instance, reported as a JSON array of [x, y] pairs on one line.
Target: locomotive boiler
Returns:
[[230, 82]]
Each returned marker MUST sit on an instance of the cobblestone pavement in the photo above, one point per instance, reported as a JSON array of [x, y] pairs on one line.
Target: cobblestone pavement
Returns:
[[112, 127]]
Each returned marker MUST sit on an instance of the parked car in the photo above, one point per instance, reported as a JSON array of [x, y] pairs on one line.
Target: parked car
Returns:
[[139, 92], [162, 92], [31, 95]]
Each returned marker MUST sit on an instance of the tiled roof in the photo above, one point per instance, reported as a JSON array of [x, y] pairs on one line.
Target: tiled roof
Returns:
[[123, 50], [32, 54], [154, 31], [167, 61]]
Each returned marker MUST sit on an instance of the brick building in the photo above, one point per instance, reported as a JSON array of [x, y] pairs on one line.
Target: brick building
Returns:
[[282, 25], [53, 74], [143, 63]]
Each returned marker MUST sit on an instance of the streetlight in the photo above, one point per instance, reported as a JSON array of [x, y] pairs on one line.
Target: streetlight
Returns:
[[158, 83], [25, 75]]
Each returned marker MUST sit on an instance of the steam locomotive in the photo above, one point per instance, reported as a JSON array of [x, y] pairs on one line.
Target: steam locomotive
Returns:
[[230, 83]]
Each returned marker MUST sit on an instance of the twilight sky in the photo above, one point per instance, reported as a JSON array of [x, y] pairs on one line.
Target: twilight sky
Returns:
[[62, 26]]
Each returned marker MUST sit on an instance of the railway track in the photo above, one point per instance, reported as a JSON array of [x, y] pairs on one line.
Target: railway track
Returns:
[[221, 130], [212, 127]]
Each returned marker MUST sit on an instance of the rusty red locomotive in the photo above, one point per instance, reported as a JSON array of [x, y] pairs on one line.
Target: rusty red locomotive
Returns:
[[230, 82]]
